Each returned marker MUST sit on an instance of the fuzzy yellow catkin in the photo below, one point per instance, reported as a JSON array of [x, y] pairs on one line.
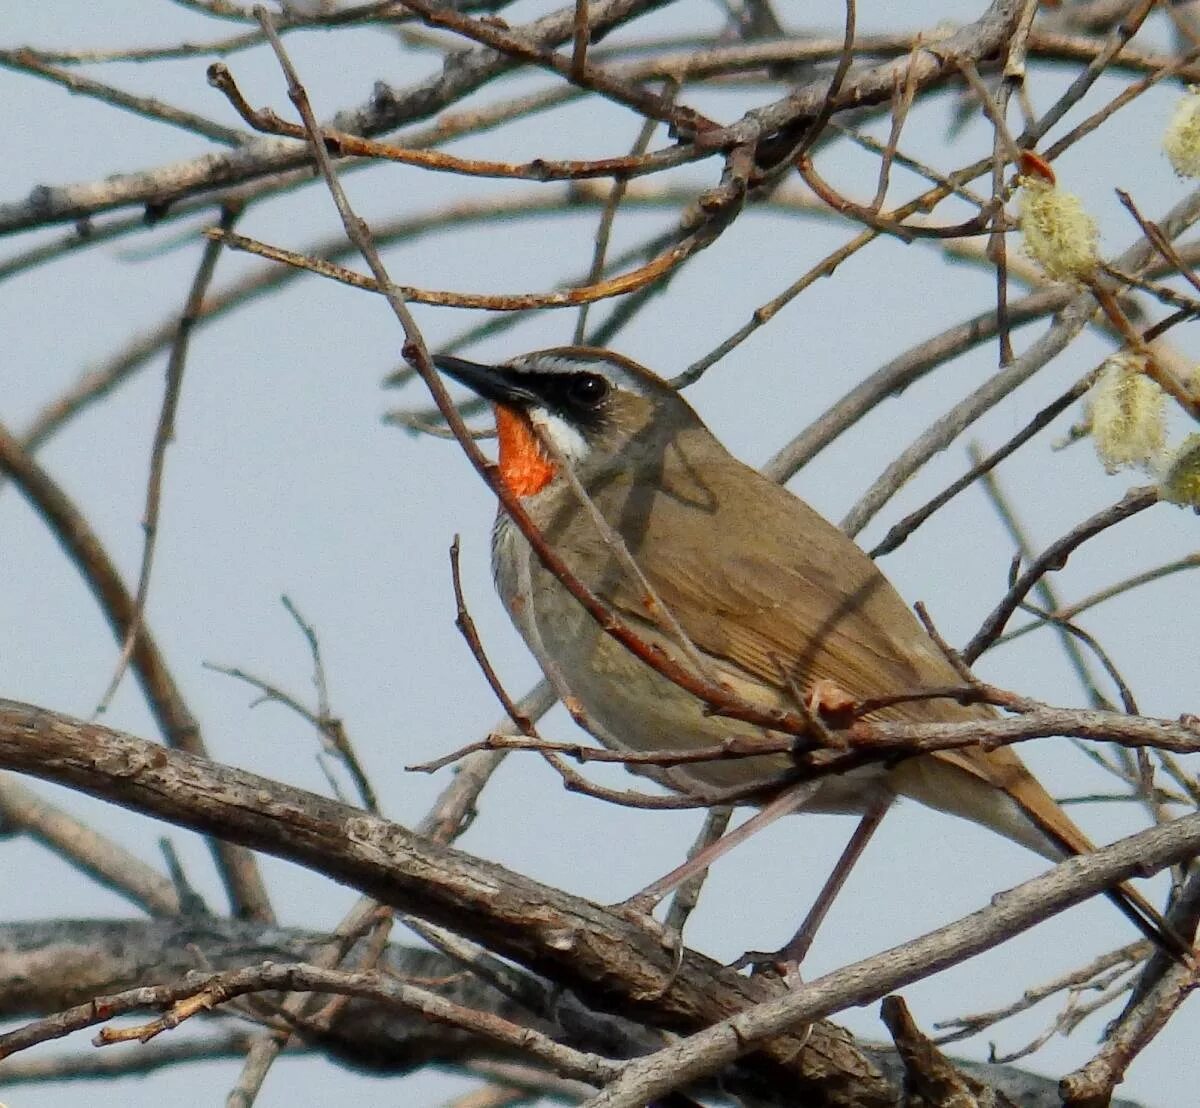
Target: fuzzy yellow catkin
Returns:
[[1128, 423], [1181, 482], [1182, 138], [1059, 234]]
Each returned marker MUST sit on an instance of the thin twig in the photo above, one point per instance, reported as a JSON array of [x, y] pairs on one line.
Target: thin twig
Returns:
[[608, 215], [829, 101], [582, 37], [29, 61], [902, 102], [902, 531], [1128, 584], [1043, 588], [623, 283], [237, 865], [466, 627], [963, 1027], [1054, 557], [345, 144], [164, 432]]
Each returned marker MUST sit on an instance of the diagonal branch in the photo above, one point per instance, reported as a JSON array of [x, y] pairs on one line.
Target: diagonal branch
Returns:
[[179, 727], [612, 961]]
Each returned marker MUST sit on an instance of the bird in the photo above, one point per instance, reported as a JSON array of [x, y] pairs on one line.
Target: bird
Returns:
[[764, 596]]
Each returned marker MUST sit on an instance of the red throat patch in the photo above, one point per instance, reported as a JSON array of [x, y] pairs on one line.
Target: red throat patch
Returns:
[[524, 469]]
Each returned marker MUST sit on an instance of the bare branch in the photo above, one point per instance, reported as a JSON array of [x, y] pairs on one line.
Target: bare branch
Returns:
[[179, 728]]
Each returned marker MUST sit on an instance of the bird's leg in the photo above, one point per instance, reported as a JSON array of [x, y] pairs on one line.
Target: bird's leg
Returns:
[[797, 948], [687, 896], [788, 958], [785, 803]]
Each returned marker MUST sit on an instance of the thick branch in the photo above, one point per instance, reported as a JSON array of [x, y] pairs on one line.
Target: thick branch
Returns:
[[612, 962], [49, 965], [609, 960]]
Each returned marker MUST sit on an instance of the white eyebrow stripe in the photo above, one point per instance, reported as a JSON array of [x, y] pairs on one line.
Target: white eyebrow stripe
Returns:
[[556, 363]]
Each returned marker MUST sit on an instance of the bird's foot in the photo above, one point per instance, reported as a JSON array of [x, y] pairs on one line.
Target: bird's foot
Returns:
[[783, 964], [639, 905], [639, 909]]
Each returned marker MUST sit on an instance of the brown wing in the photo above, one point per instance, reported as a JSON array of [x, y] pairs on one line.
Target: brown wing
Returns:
[[792, 588]]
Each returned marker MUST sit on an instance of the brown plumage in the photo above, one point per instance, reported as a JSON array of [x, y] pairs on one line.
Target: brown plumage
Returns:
[[755, 578]]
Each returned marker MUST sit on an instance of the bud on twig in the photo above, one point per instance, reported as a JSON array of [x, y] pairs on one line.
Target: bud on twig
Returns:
[[1181, 481], [1128, 425], [1059, 234], [1182, 139]]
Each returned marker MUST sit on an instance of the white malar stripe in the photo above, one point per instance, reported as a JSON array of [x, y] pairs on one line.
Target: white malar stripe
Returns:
[[559, 434]]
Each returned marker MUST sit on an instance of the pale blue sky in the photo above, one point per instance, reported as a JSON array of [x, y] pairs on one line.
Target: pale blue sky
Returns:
[[282, 479]]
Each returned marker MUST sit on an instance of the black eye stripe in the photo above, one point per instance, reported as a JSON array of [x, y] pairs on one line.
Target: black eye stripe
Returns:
[[578, 396]]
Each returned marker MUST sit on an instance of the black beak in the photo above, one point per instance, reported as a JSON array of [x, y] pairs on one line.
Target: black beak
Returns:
[[495, 383]]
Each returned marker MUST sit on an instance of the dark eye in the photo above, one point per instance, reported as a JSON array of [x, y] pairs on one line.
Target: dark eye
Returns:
[[587, 390]]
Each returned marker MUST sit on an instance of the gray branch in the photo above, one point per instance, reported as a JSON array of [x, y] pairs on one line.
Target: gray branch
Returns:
[[46, 966], [612, 962]]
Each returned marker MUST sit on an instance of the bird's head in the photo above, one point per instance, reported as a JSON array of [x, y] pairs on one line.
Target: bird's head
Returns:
[[590, 406]]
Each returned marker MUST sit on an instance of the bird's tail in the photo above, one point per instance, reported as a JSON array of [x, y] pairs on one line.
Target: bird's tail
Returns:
[[1071, 841], [997, 790]]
